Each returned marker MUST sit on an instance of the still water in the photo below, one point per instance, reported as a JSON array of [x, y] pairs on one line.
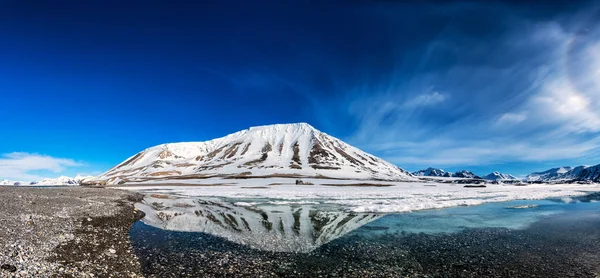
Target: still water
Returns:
[[210, 237]]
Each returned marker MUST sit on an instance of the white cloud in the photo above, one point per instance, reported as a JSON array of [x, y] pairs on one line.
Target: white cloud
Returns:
[[426, 99], [511, 118], [19, 165], [568, 96], [561, 104]]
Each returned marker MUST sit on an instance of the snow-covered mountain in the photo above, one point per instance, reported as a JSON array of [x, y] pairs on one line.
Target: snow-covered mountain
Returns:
[[7, 182], [564, 174], [584, 173], [434, 172], [62, 180], [279, 228], [497, 176], [283, 150], [465, 174], [548, 175]]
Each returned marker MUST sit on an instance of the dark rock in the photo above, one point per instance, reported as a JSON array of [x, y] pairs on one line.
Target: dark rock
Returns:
[[9, 267], [474, 186]]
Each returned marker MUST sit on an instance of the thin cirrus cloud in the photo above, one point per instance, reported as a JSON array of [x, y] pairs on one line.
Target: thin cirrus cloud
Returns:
[[20, 166], [426, 99], [511, 118], [541, 105]]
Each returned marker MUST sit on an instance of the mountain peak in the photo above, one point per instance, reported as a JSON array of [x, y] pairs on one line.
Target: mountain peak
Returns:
[[435, 172], [290, 126], [497, 176], [291, 150]]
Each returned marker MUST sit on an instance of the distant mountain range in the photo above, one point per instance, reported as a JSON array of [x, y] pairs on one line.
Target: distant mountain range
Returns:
[[62, 180], [497, 176], [433, 172], [560, 174]]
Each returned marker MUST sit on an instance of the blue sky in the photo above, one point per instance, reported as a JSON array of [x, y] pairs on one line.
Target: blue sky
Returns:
[[480, 85]]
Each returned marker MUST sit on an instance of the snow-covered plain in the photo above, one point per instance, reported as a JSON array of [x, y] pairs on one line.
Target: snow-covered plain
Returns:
[[395, 197]]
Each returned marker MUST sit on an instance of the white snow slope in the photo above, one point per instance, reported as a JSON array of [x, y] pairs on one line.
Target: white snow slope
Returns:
[[290, 150]]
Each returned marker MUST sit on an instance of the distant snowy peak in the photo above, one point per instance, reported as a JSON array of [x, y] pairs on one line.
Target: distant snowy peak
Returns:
[[465, 174], [62, 180], [7, 182], [551, 174], [497, 176], [290, 150], [584, 173], [434, 172], [579, 173]]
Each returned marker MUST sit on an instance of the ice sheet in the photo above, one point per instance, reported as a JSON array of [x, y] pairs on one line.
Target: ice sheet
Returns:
[[398, 197]]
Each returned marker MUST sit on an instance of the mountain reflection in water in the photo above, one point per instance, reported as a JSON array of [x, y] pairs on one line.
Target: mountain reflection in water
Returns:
[[284, 227]]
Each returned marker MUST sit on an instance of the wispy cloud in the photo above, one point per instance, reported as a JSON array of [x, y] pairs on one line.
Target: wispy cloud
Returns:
[[491, 152], [19, 165], [511, 118], [426, 99], [539, 102]]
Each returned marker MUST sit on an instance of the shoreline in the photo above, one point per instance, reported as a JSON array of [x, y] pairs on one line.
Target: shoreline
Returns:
[[67, 232]]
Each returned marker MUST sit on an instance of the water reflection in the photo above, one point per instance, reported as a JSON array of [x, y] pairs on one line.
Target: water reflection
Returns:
[[234, 238], [268, 225], [284, 226], [513, 215]]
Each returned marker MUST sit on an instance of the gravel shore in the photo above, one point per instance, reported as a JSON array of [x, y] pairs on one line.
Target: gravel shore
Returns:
[[67, 232]]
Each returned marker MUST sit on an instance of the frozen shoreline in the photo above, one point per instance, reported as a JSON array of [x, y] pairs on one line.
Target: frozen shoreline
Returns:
[[397, 197]]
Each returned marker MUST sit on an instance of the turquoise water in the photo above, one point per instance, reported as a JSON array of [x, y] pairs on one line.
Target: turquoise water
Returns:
[[542, 238], [497, 215]]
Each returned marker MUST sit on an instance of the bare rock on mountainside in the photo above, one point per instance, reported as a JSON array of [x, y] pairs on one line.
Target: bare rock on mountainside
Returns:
[[283, 150]]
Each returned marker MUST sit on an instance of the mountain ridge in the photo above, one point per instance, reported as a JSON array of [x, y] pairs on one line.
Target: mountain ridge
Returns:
[[62, 180], [497, 176], [437, 172], [567, 173]]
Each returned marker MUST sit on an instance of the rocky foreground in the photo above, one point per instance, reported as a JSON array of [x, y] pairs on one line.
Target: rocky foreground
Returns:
[[67, 232]]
